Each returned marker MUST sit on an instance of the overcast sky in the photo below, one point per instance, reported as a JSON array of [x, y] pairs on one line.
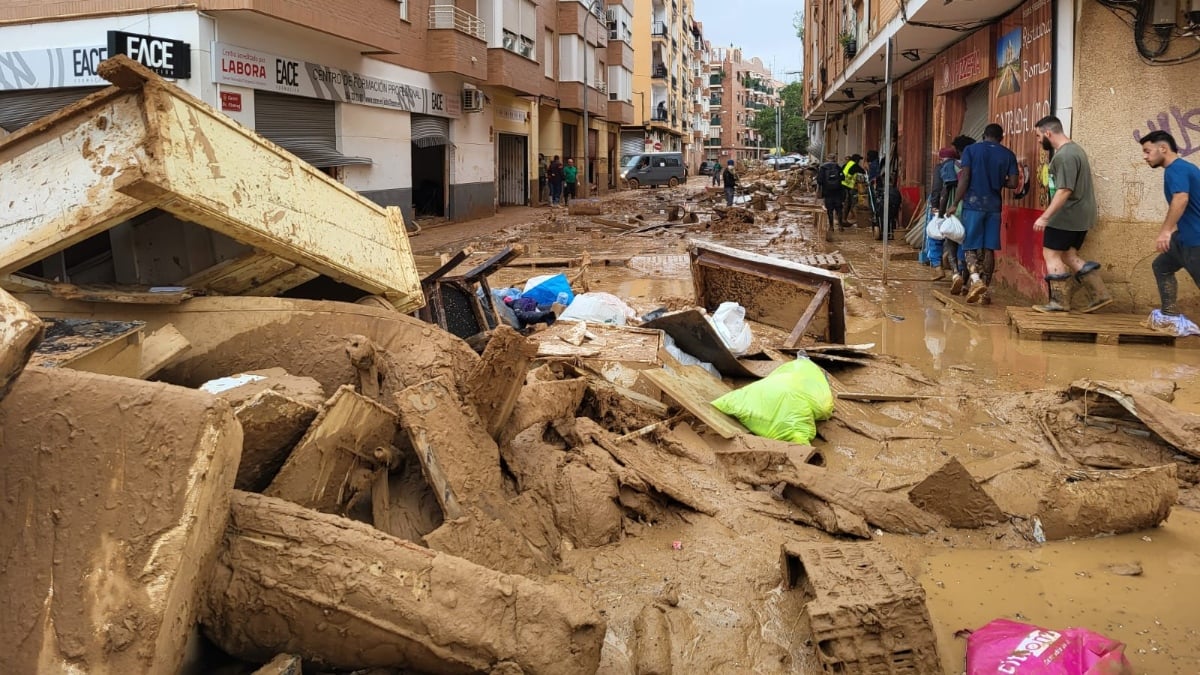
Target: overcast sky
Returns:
[[762, 28]]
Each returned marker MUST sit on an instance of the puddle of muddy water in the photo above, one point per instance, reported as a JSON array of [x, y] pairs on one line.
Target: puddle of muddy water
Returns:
[[1067, 584]]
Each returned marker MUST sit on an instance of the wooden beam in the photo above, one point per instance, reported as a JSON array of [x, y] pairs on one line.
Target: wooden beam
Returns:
[[694, 389], [20, 333], [495, 383], [809, 314]]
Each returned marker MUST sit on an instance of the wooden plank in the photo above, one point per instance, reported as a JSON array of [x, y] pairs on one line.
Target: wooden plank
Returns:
[[813, 306], [160, 349], [495, 383], [337, 458], [694, 389], [104, 347], [460, 460], [954, 305], [234, 276], [1106, 329], [130, 295], [612, 343], [172, 151], [290, 279], [869, 397], [20, 333]]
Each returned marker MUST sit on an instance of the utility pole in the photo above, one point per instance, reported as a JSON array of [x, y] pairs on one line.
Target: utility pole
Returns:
[[889, 167], [587, 165]]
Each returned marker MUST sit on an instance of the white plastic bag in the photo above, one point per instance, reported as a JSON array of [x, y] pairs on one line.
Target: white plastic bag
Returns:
[[598, 308], [933, 229], [687, 359], [1178, 324], [730, 322], [952, 229]]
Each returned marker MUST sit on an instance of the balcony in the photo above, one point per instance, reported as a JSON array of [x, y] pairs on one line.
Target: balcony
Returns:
[[620, 112], [658, 29], [511, 67], [659, 72], [571, 96], [715, 79], [456, 42], [660, 116], [712, 143], [714, 100]]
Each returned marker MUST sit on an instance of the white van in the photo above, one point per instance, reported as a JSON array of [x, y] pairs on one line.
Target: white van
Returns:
[[654, 168]]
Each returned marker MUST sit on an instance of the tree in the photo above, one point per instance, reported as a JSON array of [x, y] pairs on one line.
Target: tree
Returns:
[[795, 127]]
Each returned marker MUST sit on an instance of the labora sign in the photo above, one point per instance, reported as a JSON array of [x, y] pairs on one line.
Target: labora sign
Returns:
[[270, 72], [60, 67]]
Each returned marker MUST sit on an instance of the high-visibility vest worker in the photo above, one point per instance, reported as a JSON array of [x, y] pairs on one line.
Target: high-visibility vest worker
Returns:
[[847, 177]]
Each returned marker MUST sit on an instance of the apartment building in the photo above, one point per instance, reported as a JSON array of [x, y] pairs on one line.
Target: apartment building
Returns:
[[439, 108], [663, 46], [701, 92], [1012, 62], [739, 89]]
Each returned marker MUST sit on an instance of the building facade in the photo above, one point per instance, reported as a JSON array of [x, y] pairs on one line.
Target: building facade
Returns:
[[438, 108], [663, 44], [739, 89], [1018, 61]]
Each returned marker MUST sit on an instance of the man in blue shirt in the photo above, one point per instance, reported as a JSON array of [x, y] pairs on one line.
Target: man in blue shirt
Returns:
[[987, 167], [1178, 241]]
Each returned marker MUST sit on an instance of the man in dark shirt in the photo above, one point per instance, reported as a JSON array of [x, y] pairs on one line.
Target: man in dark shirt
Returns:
[[987, 167], [731, 180], [554, 174], [829, 187]]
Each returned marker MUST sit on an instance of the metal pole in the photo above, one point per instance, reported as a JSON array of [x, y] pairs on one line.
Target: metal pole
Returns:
[[891, 160], [586, 166]]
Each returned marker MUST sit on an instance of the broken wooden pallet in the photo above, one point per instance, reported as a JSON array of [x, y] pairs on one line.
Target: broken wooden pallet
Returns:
[[1104, 329], [829, 261]]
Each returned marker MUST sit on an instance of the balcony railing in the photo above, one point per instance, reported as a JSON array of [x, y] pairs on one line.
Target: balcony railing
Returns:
[[452, 18], [658, 29], [600, 86], [659, 73], [658, 116]]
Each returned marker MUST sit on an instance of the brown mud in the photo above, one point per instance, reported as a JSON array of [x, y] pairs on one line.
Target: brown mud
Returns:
[[988, 395]]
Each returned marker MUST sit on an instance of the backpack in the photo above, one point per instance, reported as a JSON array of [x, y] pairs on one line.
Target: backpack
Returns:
[[831, 177]]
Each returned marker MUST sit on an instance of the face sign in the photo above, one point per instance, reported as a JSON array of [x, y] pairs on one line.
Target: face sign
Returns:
[[1154, 154]]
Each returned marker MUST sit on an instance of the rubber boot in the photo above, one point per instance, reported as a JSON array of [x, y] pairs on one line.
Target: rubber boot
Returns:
[[938, 273], [1057, 285], [1088, 276], [956, 284]]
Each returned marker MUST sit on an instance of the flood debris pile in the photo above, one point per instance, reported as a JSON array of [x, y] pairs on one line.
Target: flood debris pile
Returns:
[[340, 487]]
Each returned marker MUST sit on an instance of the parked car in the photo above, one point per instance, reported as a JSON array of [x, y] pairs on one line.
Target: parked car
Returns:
[[784, 162], [706, 168]]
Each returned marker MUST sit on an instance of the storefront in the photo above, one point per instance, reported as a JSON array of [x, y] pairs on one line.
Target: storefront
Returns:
[[516, 166], [914, 137]]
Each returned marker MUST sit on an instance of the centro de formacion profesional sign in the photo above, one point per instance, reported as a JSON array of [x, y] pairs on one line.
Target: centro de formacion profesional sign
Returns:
[[270, 72], [62, 67]]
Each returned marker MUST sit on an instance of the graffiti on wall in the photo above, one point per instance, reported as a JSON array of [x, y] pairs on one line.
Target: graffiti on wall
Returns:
[[1184, 125]]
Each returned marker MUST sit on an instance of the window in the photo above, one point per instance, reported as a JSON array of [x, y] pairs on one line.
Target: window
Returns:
[[571, 56], [519, 23], [673, 161], [548, 53], [403, 9]]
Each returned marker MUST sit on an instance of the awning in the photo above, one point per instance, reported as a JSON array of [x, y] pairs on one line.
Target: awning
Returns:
[[430, 131]]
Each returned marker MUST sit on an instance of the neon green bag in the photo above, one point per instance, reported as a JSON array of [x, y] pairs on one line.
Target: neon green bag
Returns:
[[785, 405]]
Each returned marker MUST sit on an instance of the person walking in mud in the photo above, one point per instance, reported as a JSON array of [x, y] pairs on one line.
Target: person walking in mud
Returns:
[[554, 175], [1066, 221], [570, 181], [987, 168], [543, 184], [1178, 242], [829, 188], [730, 179], [850, 171]]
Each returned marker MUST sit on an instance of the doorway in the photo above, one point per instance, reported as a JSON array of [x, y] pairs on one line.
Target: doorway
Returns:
[[512, 169]]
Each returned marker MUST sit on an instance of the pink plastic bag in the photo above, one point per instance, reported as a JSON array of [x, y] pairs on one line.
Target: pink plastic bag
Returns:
[[1012, 648]]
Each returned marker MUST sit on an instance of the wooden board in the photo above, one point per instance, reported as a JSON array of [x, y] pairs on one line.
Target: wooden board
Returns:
[[460, 460], [694, 389], [496, 380], [160, 349], [158, 147], [613, 343], [772, 290], [1100, 328], [105, 347], [138, 295], [335, 459], [696, 336], [956, 305], [827, 261]]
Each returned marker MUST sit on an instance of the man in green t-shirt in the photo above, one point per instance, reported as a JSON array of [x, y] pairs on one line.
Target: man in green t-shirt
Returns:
[[570, 180], [1066, 221]]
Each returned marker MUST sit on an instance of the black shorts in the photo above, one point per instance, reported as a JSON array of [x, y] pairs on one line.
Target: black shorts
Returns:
[[1062, 240]]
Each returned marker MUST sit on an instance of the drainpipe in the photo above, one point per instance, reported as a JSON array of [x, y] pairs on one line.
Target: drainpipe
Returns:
[[891, 159]]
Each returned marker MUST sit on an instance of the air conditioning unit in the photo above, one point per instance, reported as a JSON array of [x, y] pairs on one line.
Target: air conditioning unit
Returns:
[[472, 100], [612, 13]]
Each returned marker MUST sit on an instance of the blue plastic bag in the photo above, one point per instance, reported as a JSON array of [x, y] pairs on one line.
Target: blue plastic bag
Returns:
[[545, 290]]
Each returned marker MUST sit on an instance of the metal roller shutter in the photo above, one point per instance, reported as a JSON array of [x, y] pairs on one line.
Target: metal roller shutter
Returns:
[[20, 108], [305, 127], [976, 116], [430, 131], [632, 144]]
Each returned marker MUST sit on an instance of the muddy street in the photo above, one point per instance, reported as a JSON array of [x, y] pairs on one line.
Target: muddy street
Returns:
[[976, 361]]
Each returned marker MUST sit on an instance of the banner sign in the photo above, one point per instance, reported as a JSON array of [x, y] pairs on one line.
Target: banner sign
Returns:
[[1021, 89], [965, 63], [270, 72], [62, 67]]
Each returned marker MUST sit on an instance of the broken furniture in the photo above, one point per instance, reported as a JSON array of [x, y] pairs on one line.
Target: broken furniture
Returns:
[[787, 295], [158, 189], [453, 302]]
